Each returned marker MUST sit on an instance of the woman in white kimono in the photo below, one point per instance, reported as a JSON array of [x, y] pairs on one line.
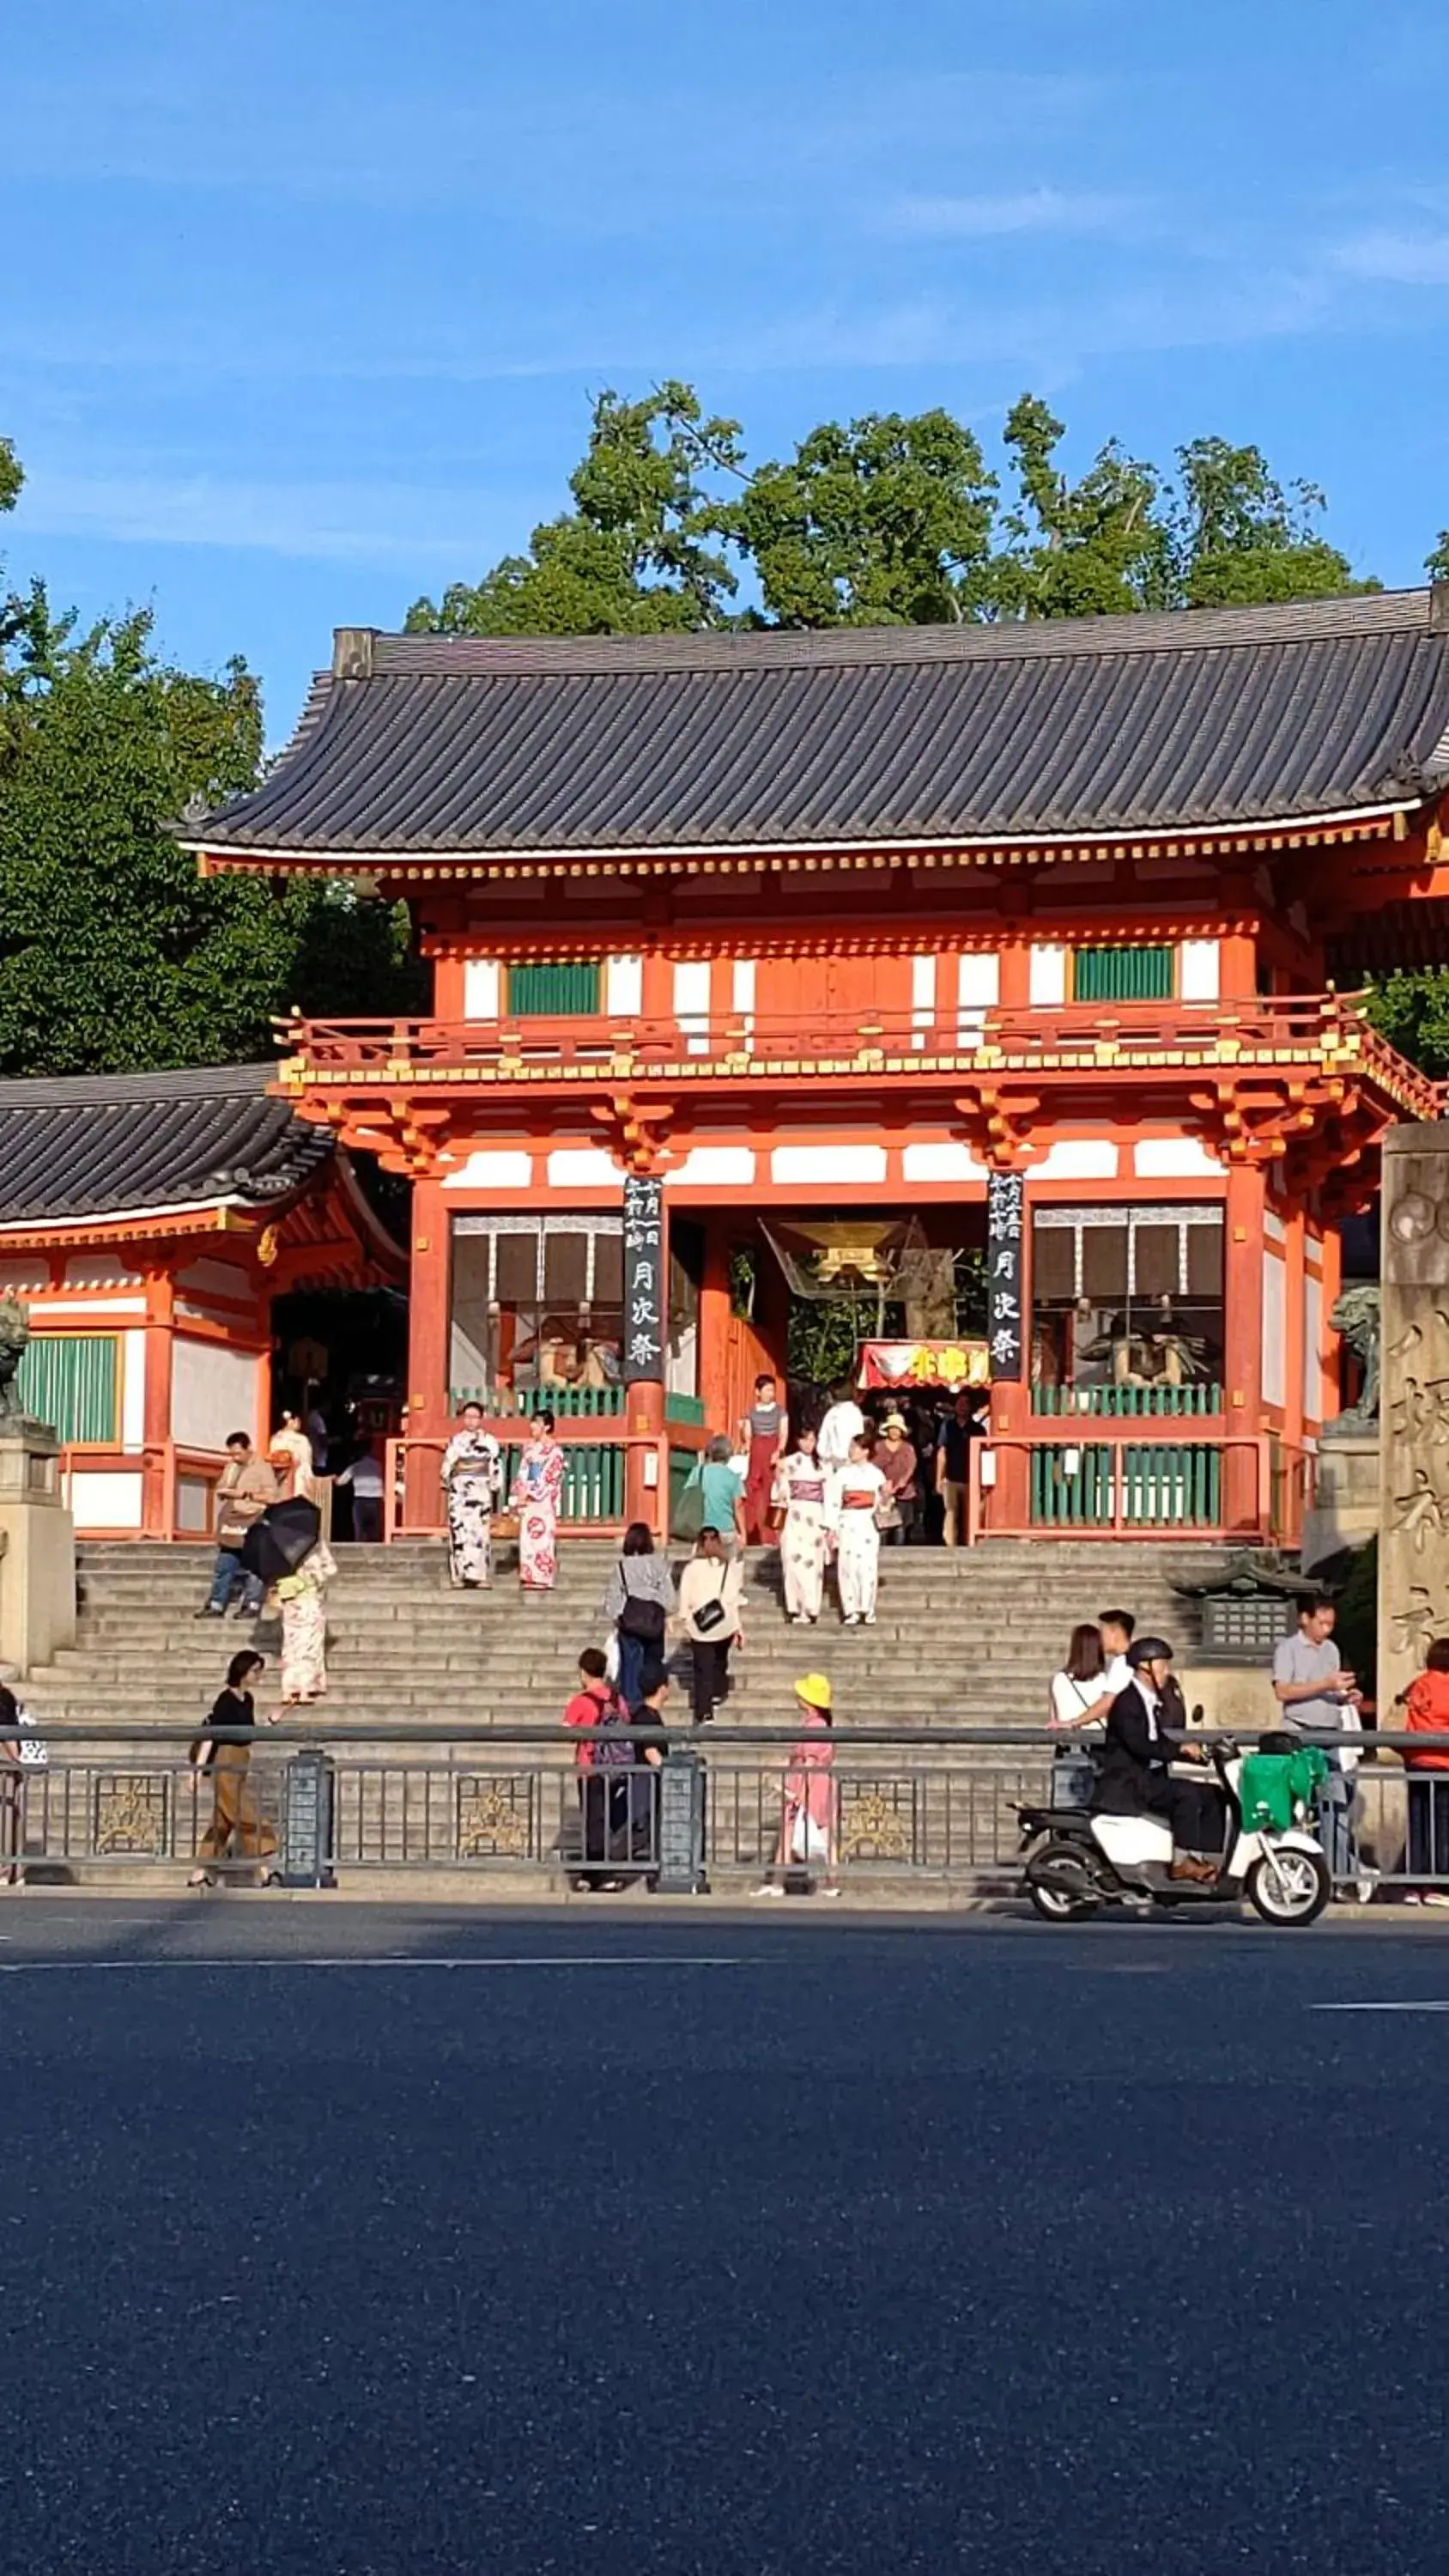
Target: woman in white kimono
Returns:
[[472, 1464], [857, 1488], [800, 1492]]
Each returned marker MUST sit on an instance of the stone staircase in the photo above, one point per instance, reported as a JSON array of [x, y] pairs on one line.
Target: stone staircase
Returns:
[[963, 1638]]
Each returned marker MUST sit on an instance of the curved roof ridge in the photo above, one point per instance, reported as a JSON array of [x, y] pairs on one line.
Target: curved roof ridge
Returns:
[[829, 647], [461, 746]]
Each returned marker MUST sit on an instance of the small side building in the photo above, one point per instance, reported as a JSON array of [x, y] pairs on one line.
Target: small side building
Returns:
[[167, 1233]]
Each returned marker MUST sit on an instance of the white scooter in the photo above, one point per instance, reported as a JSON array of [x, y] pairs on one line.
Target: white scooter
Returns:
[[1077, 1862]]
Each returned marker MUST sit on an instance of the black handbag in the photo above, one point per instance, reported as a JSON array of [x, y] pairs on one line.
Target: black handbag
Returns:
[[642, 1618]]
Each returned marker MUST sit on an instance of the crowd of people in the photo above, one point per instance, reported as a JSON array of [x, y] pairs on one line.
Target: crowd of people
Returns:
[[1126, 1744], [832, 1495], [623, 1738]]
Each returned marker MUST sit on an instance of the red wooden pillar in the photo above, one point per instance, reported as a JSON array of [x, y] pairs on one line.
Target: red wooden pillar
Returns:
[[428, 1410], [1237, 966], [1243, 1347], [1295, 1357], [156, 1495], [714, 1323]]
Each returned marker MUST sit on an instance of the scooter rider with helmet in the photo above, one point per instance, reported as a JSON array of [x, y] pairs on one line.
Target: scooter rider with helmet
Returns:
[[1144, 1737]]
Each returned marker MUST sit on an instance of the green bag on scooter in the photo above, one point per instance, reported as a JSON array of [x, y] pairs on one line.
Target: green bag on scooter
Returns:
[[1274, 1786]]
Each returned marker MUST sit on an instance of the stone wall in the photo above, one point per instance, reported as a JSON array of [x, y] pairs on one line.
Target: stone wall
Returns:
[[1414, 1406]]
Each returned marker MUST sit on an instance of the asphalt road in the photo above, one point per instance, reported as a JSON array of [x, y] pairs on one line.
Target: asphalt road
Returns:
[[353, 2239]]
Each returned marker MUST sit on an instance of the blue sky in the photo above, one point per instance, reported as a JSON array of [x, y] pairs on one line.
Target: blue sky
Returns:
[[305, 299]]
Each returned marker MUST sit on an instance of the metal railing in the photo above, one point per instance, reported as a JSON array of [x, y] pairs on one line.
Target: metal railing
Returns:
[[497, 1803], [1319, 1031], [941, 1803], [1152, 1480], [161, 1490]]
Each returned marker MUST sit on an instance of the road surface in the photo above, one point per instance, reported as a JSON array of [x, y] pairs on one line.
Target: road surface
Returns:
[[361, 2239]]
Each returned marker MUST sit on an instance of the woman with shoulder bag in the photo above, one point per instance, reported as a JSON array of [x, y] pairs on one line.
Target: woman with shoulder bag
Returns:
[[234, 1817], [640, 1602], [1077, 1695], [709, 1613]]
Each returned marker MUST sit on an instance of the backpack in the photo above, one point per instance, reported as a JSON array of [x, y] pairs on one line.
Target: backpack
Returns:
[[612, 1752]]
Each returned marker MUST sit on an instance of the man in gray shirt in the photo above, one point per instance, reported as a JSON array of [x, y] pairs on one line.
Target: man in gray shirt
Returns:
[[1317, 1696]]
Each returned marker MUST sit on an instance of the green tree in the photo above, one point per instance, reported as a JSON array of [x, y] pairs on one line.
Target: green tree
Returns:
[[1097, 548], [886, 522], [1241, 538], [636, 555], [1436, 562], [115, 955], [1410, 1007]]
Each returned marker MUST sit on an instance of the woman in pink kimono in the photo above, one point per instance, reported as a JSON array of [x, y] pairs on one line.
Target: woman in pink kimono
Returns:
[[537, 1494], [807, 1822]]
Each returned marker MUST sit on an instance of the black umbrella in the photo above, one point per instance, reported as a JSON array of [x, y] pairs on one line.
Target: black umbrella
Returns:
[[281, 1539]]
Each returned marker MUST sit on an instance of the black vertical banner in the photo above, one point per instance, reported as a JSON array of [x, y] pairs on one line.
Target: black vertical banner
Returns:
[[1005, 1322], [645, 1277]]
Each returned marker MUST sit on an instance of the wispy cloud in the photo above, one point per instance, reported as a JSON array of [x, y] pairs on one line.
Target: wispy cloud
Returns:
[[1396, 258], [380, 523], [1020, 210]]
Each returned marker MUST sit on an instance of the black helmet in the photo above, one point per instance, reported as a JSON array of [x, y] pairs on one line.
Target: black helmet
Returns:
[[1149, 1650]]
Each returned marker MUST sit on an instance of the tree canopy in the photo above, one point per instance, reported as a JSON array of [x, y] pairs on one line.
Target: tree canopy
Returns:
[[891, 520], [115, 955]]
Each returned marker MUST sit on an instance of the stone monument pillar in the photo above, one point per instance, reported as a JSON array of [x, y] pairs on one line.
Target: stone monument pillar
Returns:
[[1414, 1406], [37, 1548], [37, 1537]]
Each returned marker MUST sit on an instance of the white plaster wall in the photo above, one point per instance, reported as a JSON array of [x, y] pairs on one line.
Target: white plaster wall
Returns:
[[492, 1171], [133, 1390], [1275, 1389], [214, 1391], [1198, 970], [691, 1002], [1048, 986], [102, 1502], [1313, 1369], [482, 988], [623, 987], [216, 1279]]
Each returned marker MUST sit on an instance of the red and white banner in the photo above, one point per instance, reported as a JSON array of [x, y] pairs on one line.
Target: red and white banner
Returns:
[[906, 1364]]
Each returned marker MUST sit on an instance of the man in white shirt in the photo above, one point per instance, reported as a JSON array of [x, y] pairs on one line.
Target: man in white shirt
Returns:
[[364, 1481], [1117, 1674], [843, 1423]]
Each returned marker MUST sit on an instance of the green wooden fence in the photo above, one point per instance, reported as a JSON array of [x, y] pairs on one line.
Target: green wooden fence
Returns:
[[1122, 974], [72, 1381], [555, 990], [1169, 1484], [1128, 1403], [565, 1403]]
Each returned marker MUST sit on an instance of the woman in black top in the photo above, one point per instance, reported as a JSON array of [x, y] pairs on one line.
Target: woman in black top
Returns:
[[234, 1818]]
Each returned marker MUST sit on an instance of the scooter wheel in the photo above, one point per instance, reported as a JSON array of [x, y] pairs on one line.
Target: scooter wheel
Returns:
[[1291, 1891], [1059, 1904]]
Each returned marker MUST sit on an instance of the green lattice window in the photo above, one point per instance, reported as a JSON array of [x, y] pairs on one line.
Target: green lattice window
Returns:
[[1122, 974], [554, 991], [72, 1381]]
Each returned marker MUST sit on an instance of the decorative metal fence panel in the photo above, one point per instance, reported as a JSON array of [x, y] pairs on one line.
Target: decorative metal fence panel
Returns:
[[1128, 1403], [1173, 1484]]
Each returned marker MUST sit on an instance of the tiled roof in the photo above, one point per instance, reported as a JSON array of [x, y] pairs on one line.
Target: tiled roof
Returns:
[[106, 1145], [428, 745]]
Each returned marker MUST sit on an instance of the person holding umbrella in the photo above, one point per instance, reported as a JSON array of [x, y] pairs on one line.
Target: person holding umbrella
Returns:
[[287, 1550]]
